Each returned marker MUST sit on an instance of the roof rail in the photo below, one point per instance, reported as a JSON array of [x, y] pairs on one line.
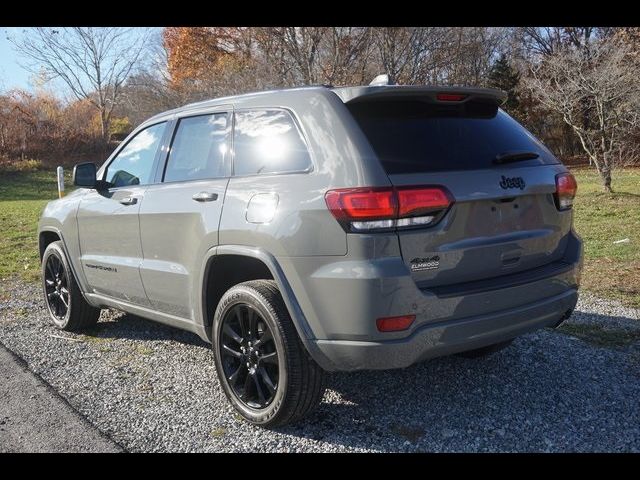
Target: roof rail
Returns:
[[325, 85]]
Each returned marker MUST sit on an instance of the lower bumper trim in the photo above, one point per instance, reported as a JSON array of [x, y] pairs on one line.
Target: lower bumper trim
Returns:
[[444, 338]]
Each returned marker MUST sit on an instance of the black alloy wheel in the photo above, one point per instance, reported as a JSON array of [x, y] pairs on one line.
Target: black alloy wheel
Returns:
[[56, 284], [249, 356]]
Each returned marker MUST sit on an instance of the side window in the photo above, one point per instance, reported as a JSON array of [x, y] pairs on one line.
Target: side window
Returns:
[[133, 164], [268, 141], [199, 149]]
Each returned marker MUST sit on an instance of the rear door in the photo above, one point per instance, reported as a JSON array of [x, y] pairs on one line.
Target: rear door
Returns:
[[180, 215], [503, 220], [108, 226]]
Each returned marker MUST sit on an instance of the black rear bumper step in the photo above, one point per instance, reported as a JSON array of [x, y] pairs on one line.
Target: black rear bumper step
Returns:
[[495, 283]]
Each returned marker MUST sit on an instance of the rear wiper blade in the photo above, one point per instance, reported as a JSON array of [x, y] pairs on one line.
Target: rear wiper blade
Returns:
[[508, 157]]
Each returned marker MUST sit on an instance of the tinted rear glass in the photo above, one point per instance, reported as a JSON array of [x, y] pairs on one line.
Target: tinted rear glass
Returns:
[[414, 136]]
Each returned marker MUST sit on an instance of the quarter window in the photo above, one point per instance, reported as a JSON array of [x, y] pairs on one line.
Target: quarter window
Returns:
[[268, 141], [133, 165], [199, 149]]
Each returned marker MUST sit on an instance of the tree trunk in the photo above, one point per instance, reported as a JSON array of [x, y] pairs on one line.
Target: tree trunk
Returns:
[[104, 127], [606, 168], [605, 175]]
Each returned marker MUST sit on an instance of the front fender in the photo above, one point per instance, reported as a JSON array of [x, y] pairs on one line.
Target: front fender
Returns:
[[60, 217]]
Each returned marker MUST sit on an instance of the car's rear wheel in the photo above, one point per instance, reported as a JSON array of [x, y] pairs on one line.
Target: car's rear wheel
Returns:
[[263, 368], [67, 307], [486, 351]]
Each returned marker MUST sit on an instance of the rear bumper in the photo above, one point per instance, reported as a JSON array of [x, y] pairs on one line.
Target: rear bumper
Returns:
[[341, 297], [438, 339]]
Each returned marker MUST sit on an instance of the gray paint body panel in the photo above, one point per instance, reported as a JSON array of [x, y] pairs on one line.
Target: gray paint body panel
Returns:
[[176, 231], [334, 284]]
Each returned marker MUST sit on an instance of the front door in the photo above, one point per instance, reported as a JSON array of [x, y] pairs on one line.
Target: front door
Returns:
[[179, 217], [108, 224]]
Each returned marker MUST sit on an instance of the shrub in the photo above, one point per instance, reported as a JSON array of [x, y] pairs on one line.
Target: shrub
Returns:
[[23, 165]]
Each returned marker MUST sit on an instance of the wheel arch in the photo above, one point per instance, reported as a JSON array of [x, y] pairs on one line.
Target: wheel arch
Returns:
[[47, 237], [261, 263], [49, 234]]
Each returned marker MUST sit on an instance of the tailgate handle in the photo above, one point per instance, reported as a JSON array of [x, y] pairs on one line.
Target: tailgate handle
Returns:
[[511, 258]]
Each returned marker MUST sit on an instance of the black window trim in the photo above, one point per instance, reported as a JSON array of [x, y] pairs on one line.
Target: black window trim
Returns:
[[105, 167], [296, 124], [175, 123]]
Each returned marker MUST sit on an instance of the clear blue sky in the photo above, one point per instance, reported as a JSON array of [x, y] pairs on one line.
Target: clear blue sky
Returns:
[[12, 75]]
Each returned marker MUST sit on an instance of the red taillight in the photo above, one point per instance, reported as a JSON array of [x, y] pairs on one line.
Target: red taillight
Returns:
[[365, 208], [395, 324], [566, 188], [362, 203], [417, 201], [450, 97]]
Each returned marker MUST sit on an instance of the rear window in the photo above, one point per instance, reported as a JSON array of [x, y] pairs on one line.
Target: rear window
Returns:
[[415, 136]]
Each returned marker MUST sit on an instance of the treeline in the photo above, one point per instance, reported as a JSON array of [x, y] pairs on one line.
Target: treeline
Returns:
[[574, 87], [40, 126]]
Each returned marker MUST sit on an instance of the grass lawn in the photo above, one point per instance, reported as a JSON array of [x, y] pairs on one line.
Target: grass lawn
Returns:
[[611, 269], [23, 195]]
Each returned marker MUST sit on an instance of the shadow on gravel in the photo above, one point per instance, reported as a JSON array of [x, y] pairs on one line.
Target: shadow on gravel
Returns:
[[604, 331], [127, 326]]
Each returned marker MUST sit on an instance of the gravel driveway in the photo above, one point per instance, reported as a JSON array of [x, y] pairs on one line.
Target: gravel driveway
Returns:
[[153, 388]]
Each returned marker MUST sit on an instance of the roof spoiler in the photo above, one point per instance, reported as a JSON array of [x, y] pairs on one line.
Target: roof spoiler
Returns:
[[433, 93]]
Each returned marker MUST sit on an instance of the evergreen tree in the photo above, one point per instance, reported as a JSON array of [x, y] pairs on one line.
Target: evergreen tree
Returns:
[[503, 76]]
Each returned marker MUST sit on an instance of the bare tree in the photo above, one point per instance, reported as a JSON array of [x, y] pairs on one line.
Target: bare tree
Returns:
[[542, 40], [346, 55], [410, 55], [469, 54], [302, 44], [93, 62], [597, 95], [314, 55]]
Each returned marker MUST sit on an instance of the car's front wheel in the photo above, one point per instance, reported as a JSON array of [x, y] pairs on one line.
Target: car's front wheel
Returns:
[[263, 368], [67, 307]]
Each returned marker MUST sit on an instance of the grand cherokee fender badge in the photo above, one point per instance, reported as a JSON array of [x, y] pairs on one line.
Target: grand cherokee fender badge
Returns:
[[100, 267], [512, 182], [428, 263]]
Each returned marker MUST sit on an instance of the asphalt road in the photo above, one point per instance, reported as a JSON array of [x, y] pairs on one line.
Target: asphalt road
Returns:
[[34, 418]]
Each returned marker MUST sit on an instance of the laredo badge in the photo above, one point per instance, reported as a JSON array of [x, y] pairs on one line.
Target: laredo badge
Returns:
[[428, 263]]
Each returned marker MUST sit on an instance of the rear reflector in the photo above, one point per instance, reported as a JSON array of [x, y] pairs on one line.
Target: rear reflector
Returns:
[[450, 97], [367, 208], [566, 188], [395, 324]]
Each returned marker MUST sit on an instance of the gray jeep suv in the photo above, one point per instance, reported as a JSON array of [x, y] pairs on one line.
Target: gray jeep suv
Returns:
[[317, 229]]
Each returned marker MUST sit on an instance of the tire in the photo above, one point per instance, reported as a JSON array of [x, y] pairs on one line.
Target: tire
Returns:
[[485, 351], [78, 315], [300, 382]]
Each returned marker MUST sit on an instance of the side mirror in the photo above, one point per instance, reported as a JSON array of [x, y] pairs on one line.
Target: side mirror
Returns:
[[84, 175]]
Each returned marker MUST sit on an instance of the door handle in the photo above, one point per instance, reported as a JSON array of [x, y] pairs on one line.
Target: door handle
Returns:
[[205, 197], [128, 201]]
